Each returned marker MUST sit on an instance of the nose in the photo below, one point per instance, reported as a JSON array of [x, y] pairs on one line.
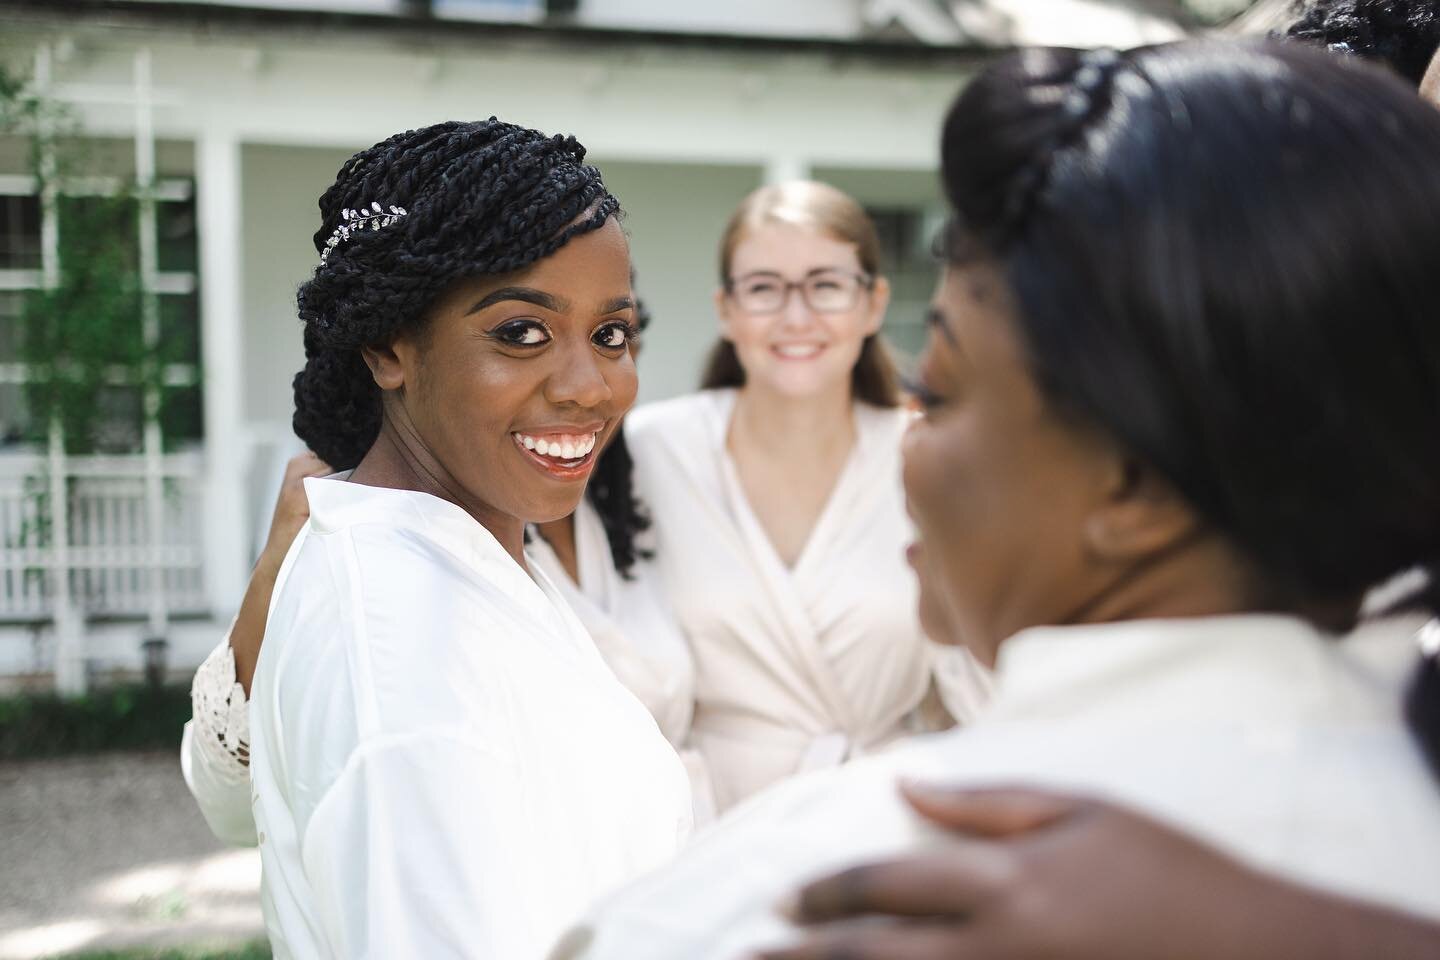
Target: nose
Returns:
[[578, 379], [796, 314]]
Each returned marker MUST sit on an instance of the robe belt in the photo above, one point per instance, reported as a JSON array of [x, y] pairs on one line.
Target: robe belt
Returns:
[[816, 750]]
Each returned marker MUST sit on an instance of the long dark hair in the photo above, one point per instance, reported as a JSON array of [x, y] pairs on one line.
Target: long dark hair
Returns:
[[1224, 257]]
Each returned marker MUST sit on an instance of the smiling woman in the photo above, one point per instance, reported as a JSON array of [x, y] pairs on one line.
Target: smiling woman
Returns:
[[778, 512], [496, 402], [425, 708]]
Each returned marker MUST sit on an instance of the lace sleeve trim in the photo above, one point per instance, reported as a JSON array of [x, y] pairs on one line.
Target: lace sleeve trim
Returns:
[[221, 717]]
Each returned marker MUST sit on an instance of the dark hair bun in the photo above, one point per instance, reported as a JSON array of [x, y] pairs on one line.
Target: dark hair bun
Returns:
[[1223, 255]]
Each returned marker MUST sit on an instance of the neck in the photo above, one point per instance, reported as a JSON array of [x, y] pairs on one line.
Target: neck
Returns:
[[399, 460], [560, 534], [1198, 577], [793, 428]]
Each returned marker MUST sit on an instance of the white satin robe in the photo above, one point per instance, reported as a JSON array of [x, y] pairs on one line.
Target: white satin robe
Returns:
[[443, 765], [1256, 734], [796, 668], [635, 631]]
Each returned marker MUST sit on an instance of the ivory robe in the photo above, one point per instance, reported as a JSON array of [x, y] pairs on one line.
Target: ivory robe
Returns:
[[628, 618], [443, 765], [635, 631], [1256, 734], [796, 668]]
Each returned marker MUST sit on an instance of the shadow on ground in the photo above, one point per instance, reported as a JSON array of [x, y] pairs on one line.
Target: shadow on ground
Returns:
[[109, 852]]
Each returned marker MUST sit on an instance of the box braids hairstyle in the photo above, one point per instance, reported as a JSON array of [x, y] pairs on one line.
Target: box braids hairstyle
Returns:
[[1402, 34], [480, 198]]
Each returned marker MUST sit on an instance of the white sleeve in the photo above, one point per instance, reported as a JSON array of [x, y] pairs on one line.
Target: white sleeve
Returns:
[[423, 847], [215, 749]]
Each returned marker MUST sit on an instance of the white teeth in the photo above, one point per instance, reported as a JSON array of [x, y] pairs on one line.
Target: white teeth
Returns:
[[797, 349], [562, 447]]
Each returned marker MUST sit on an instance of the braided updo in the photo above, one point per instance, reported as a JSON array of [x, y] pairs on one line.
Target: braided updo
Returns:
[[1223, 255], [481, 198]]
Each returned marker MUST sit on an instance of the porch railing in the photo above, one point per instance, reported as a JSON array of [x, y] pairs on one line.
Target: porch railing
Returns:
[[114, 565]]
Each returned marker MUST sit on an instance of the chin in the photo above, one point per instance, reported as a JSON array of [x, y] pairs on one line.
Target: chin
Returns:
[[554, 508], [799, 384]]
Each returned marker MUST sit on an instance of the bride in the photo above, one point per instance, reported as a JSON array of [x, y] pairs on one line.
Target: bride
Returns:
[[427, 713]]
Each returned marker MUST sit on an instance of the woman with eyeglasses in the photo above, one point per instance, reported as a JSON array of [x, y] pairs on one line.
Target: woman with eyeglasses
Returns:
[[777, 509]]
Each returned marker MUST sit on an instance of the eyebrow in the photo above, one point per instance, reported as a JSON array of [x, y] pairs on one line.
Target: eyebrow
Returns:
[[542, 299], [525, 295], [779, 276]]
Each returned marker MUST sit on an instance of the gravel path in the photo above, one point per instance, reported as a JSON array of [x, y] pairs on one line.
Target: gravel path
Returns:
[[110, 851]]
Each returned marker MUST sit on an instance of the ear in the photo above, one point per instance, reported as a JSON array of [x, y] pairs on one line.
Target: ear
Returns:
[[1141, 514], [879, 303], [725, 313], [387, 364]]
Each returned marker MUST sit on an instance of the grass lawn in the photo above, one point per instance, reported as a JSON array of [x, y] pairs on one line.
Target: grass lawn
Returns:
[[255, 951]]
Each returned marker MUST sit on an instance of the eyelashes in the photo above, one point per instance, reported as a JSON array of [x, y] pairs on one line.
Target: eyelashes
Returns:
[[928, 398], [615, 335], [522, 333]]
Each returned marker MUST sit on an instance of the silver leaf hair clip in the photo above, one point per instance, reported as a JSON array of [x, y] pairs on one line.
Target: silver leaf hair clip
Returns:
[[366, 218]]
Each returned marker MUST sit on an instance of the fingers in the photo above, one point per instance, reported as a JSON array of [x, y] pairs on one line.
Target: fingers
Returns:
[[994, 813], [948, 883], [882, 942]]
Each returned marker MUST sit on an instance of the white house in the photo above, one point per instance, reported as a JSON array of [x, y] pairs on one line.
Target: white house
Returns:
[[234, 117]]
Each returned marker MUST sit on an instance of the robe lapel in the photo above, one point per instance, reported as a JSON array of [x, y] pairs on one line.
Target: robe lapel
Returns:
[[786, 590]]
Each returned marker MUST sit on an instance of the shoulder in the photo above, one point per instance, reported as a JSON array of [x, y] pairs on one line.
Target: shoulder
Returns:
[[665, 418], [398, 624], [713, 902]]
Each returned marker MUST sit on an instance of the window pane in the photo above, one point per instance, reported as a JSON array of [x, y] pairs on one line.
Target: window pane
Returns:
[[19, 233], [182, 416], [906, 259], [11, 305], [179, 328], [14, 415], [118, 426], [175, 225]]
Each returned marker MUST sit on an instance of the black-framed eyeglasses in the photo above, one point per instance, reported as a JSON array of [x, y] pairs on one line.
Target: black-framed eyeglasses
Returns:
[[824, 291]]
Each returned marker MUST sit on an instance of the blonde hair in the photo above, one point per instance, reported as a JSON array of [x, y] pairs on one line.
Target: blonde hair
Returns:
[[824, 209]]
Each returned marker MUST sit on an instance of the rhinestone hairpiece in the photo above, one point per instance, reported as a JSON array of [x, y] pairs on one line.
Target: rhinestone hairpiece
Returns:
[[372, 217]]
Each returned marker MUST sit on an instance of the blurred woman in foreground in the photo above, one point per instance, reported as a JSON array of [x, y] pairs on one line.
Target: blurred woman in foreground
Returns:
[[1184, 385]]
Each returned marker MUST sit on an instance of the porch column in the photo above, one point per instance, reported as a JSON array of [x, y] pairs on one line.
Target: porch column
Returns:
[[218, 208], [781, 168]]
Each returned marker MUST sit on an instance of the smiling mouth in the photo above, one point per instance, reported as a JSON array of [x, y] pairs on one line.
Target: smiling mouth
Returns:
[[798, 351], [566, 456]]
